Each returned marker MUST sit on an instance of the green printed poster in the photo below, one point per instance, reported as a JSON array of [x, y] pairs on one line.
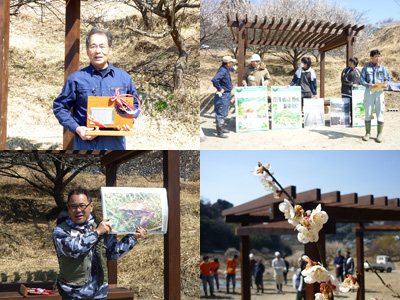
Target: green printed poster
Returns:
[[358, 112], [251, 105], [286, 107], [131, 207]]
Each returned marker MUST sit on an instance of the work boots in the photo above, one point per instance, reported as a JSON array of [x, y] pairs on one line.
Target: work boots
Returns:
[[379, 138], [220, 133], [367, 131]]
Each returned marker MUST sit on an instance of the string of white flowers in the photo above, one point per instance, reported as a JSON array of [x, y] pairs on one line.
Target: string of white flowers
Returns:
[[308, 224]]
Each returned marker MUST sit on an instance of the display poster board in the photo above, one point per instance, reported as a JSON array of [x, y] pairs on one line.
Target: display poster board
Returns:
[[358, 112], [286, 107], [340, 112], [314, 114], [131, 207], [251, 105]]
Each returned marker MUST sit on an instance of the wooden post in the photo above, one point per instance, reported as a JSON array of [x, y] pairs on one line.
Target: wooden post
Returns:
[[349, 46], [111, 180], [172, 239], [4, 57], [311, 250], [360, 260], [245, 265], [72, 38], [241, 51], [322, 75]]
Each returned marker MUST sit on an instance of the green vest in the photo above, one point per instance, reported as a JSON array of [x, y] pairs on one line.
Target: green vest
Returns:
[[76, 271]]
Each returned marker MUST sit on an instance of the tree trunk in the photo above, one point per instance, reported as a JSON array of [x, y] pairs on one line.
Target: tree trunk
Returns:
[[181, 62]]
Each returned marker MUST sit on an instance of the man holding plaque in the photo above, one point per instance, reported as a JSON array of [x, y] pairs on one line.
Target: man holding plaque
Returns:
[[374, 96], [83, 246], [100, 78]]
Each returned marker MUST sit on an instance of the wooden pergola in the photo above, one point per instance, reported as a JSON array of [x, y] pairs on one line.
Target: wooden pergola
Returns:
[[72, 40], [300, 34], [112, 160], [266, 219]]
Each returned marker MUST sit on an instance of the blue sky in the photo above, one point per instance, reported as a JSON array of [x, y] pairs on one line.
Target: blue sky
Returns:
[[376, 10], [226, 174]]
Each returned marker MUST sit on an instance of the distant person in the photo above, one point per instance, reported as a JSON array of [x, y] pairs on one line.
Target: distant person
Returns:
[[252, 268], [231, 265], [371, 74], [305, 78], [214, 265], [256, 74], [338, 263], [206, 276], [223, 83], [350, 78], [299, 281], [258, 275], [278, 264], [287, 270], [348, 264]]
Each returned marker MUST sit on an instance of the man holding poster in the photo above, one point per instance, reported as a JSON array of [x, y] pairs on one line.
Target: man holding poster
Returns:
[[370, 75], [83, 246]]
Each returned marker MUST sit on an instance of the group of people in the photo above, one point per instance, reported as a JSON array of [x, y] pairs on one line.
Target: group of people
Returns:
[[256, 74], [344, 265]]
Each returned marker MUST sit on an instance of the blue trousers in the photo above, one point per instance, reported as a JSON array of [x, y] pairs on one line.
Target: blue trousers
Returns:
[[221, 106]]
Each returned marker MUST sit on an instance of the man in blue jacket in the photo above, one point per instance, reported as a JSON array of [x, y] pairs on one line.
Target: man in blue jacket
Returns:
[[370, 74], [100, 78], [223, 83]]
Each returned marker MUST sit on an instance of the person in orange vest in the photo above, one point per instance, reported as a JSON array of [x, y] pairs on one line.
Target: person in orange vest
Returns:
[[214, 265], [231, 265], [206, 276]]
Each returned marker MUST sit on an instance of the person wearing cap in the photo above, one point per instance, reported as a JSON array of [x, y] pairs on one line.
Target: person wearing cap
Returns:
[[305, 78], [206, 276], [279, 266], [231, 265], [256, 74], [223, 83], [370, 74], [338, 263], [252, 268]]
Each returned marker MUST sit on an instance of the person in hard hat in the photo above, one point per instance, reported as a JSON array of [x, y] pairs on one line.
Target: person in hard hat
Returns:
[[279, 266], [231, 265], [256, 74]]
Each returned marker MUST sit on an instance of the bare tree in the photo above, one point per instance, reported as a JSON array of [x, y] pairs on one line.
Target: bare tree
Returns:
[[173, 13], [50, 173]]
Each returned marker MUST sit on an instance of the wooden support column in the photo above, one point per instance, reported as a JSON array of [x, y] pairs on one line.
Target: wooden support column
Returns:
[[360, 260], [322, 75], [311, 250], [4, 57], [245, 265], [172, 239], [241, 51], [349, 46], [111, 180], [72, 38]]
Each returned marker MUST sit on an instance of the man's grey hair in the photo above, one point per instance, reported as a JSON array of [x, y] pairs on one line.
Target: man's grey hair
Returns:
[[96, 30]]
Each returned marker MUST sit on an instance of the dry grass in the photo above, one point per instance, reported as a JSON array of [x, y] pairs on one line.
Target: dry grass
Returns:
[[28, 252], [37, 76]]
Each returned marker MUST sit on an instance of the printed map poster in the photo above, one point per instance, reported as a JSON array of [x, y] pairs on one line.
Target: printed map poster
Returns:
[[314, 113], [358, 112], [131, 207], [286, 107], [251, 105], [340, 112]]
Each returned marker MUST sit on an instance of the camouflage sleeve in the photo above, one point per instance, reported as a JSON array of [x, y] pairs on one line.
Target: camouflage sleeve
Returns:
[[116, 250], [74, 247]]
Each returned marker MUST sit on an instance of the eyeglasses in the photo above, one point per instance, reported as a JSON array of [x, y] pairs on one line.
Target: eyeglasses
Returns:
[[94, 47], [81, 207]]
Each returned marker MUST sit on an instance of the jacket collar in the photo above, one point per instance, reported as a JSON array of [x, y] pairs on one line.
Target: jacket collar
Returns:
[[110, 69], [84, 226]]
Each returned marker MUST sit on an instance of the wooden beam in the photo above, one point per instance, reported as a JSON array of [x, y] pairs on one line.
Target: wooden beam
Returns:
[[72, 38], [393, 203], [374, 228], [121, 156], [4, 58], [275, 228], [364, 215], [172, 239], [246, 218]]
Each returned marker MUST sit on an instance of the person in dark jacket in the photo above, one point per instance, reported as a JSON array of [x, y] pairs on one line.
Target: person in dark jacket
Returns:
[[338, 262], [305, 78], [348, 264], [350, 78], [287, 270], [299, 281], [258, 275]]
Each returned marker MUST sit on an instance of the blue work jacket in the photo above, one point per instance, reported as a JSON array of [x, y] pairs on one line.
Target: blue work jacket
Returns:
[[222, 80], [90, 82]]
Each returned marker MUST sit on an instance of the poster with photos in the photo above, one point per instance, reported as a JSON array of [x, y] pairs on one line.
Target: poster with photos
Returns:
[[358, 112], [251, 105], [131, 207], [286, 107], [340, 112], [314, 114]]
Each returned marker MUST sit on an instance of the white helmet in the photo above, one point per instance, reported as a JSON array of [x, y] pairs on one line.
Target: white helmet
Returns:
[[255, 57], [251, 255]]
